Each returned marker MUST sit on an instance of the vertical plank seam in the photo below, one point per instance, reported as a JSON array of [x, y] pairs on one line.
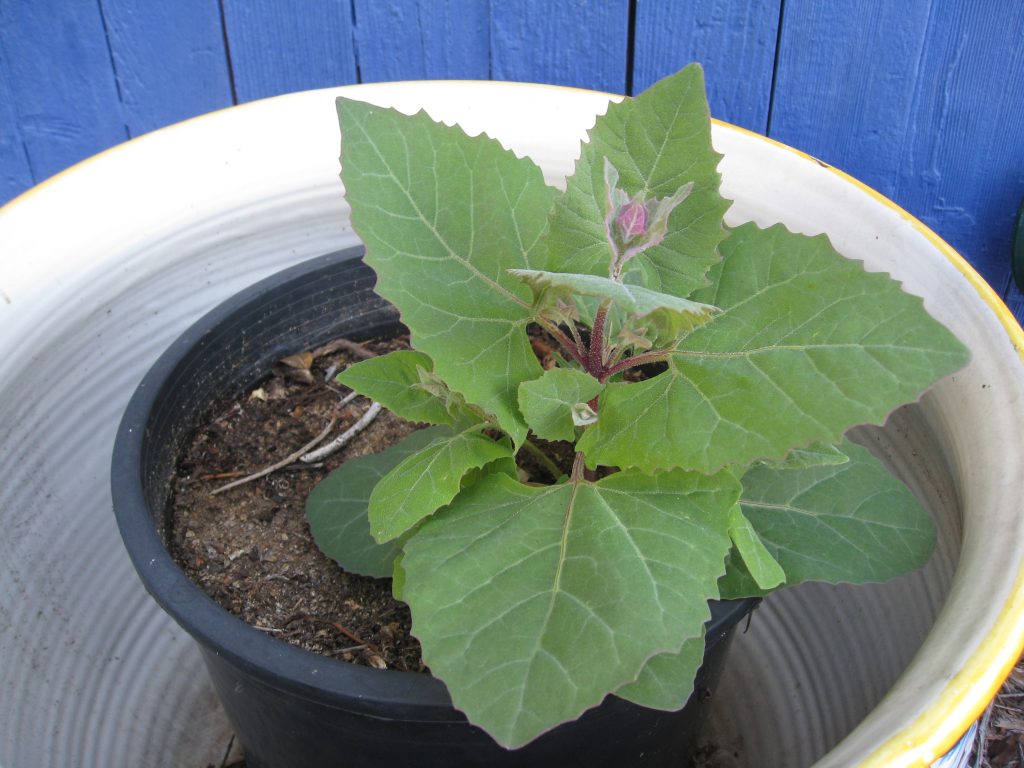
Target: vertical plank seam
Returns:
[[630, 45], [227, 50], [775, 69], [113, 69], [490, 40], [355, 40]]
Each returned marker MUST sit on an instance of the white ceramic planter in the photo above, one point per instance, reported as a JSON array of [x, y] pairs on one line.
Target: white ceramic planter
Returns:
[[102, 266]]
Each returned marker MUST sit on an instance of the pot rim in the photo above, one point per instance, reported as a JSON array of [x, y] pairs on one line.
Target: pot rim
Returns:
[[941, 727], [49, 264], [280, 664]]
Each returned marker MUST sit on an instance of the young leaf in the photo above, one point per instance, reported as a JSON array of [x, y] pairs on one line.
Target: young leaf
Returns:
[[395, 380], [807, 344], [763, 568], [851, 522], [669, 315], [582, 414], [547, 403], [443, 217], [533, 603], [427, 480], [666, 681], [737, 581], [336, 508], [634, 225], [658, 142]]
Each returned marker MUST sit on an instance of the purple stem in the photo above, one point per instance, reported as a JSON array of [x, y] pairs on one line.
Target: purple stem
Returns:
[[632, 362], [571, 348], [595, 358]]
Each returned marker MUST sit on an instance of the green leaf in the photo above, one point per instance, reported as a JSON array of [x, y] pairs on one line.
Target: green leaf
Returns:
[[763, 568], [337, 507], [814, 455], [532, 603], [547, 403], [396, 381], [851, 522], [669, 315], [807, 345], [398, 577], [505, 465], [443, 217], [658, 142], [666, 681], [427, 480], [737, 581]]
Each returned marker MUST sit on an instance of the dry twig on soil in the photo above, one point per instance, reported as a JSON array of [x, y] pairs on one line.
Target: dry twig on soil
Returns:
[[345, 437], [283, 463]]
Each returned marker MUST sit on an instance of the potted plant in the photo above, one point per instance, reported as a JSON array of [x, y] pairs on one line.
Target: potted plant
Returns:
[[561, 528]]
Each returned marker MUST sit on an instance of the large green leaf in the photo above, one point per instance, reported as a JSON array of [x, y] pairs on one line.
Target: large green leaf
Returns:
[[443, 217], [548, 403], [533, 603], [337, 507], [397, 381], [666, 681], [851, 522], [807, 345], [658, 142], [427, 480]]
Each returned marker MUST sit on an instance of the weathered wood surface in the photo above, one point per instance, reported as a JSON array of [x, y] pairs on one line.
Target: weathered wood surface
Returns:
[[922, 100]]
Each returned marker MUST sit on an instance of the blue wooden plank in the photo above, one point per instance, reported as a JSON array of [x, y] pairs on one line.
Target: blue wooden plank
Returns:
[[61, 84], [422, 39], [15, 173], [734, 42], [279, 46], [963, 158], [581, 43], [845, 83], [169, 59], [922, 101]]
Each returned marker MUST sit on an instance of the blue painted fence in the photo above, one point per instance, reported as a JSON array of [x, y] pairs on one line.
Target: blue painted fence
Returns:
[[921, 99]]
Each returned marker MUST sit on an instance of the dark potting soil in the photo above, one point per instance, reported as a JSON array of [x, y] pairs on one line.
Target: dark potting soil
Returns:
[[250, 549]]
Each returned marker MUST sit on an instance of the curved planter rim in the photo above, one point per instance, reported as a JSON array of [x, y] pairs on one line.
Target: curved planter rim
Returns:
[[964, 699], [292, 707], [275, 662], [48, 265]]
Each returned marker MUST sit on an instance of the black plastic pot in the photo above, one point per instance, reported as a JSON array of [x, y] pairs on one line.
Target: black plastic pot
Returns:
[[290, 707]]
